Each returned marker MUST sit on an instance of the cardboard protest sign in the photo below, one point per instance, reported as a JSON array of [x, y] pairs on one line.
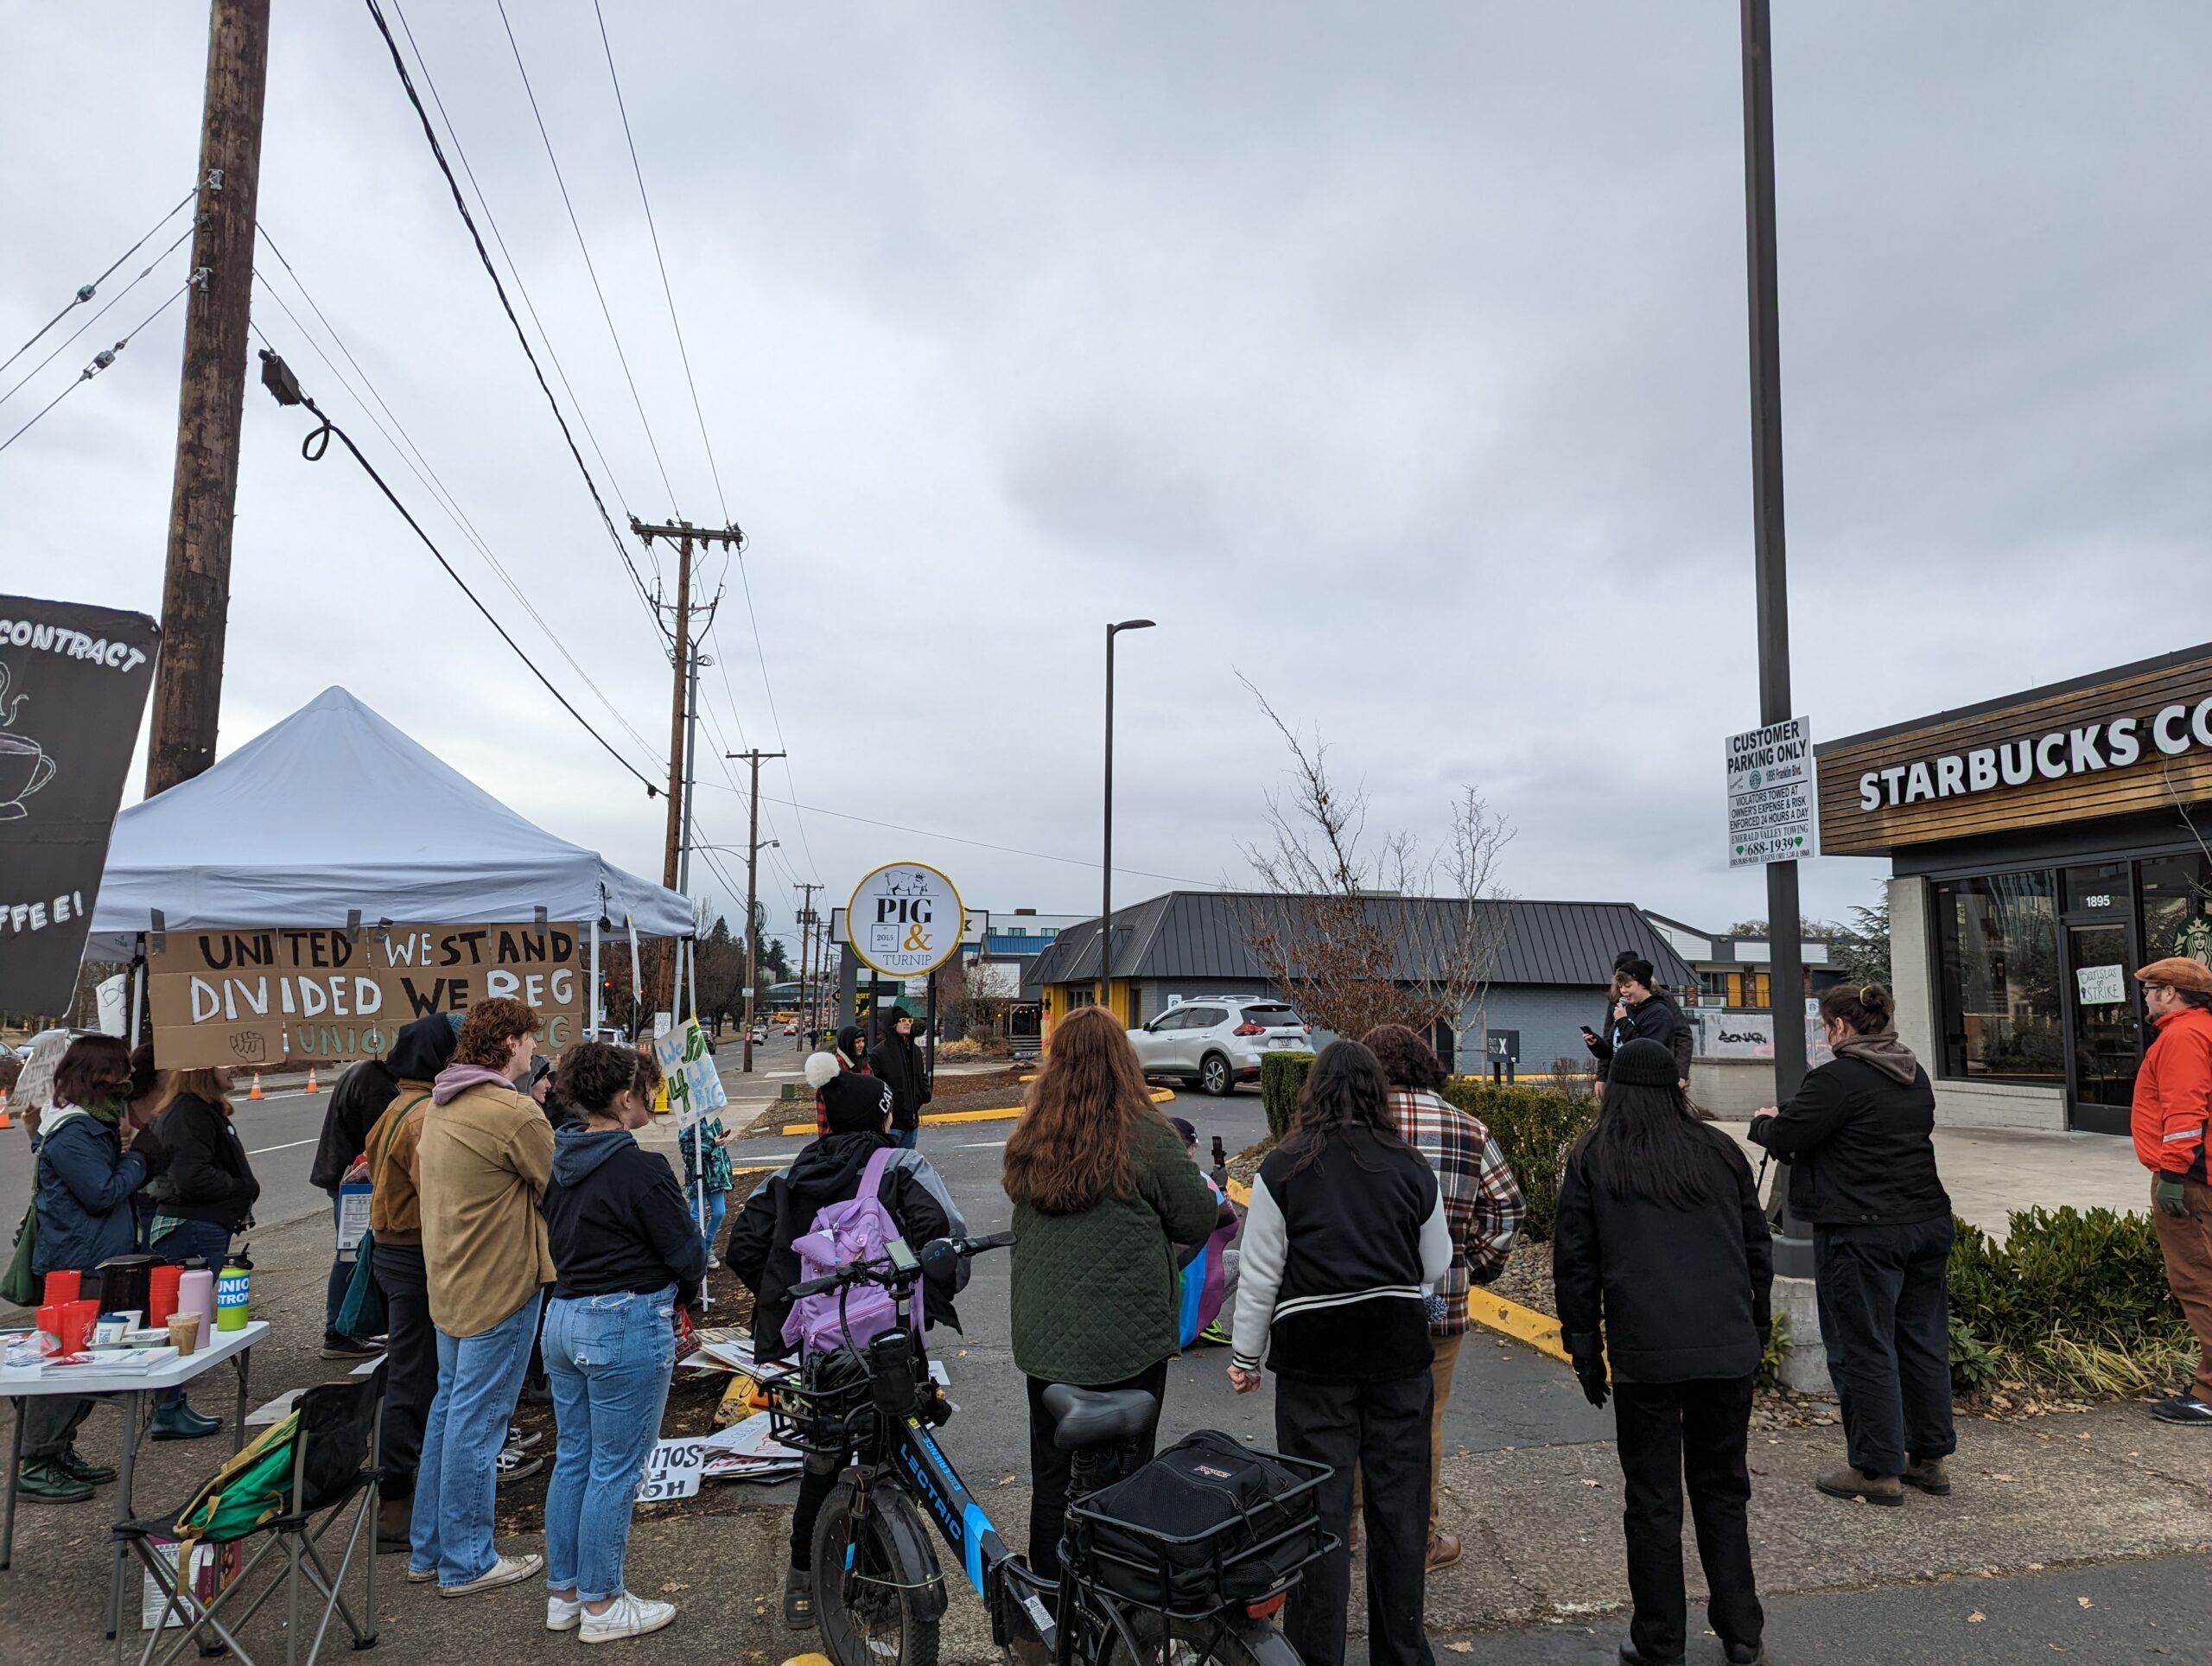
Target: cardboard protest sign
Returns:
[[73, 682], [687, 1066], [257, 997]]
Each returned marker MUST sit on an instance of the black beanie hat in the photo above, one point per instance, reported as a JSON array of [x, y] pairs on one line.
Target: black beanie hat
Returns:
[[1639, 969], [854, 1104], [1642, 1063]]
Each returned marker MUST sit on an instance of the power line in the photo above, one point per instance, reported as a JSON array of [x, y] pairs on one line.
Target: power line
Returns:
[[101, 361], [683, 352], [87, 291], [460, 202], [980, 844], [277, 377], [63, 345], [428, 475], [514, 267], [576, 226]]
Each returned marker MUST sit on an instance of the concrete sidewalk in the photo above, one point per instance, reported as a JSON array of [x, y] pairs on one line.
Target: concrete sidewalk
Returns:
[[1991, 1173]]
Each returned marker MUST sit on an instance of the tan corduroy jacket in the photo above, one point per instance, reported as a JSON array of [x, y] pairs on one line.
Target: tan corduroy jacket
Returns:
[[480, 1168]]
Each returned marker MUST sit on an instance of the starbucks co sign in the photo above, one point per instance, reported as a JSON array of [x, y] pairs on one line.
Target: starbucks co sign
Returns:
[[904, 920]]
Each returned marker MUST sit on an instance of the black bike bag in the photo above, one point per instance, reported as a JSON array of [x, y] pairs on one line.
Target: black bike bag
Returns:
[[1207, 1524]]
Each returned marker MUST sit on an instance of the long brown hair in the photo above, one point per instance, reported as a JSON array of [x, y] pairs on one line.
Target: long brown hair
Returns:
[[201, 1085], [1072, 1145]]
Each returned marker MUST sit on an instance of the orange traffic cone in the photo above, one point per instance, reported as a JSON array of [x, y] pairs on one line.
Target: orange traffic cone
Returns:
[[311, 1088], [4, 1109], [256, 1094]]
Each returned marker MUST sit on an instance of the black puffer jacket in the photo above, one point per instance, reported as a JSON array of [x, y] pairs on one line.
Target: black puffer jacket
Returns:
[[209, 1178], [355, 1103], [1660, 1020], [1857, 1136], [758, 1248], [897, 1061], [1682, 1294]]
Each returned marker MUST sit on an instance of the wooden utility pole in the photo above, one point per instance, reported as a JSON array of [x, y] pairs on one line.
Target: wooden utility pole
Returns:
[[683, 535], [752, 888], [203, 494], [805, 957]]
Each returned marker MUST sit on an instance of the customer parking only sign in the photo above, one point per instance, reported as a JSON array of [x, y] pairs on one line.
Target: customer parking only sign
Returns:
[[1773, 799]]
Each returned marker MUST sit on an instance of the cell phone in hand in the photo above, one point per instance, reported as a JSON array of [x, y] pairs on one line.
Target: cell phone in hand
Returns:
[[1590, 1032]]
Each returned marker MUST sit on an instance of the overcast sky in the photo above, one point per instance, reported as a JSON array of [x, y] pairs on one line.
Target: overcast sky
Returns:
[[1394, 357]]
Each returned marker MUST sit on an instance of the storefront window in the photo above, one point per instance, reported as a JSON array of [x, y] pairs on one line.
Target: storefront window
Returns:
[[2176, 893], [1997, 947]]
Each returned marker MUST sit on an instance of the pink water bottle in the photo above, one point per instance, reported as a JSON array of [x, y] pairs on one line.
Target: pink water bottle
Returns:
[[195, 1294]]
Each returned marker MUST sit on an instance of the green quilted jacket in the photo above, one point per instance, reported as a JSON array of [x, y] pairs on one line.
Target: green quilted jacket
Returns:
[[1096, 1294]]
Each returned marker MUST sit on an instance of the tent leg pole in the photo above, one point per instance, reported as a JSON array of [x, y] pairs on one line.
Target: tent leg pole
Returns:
[[594, 977]]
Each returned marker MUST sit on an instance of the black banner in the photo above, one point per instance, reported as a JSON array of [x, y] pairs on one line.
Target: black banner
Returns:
[[73, 682]]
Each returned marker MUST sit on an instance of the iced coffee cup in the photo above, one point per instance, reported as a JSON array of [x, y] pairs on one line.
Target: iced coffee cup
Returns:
[[184, 1333]]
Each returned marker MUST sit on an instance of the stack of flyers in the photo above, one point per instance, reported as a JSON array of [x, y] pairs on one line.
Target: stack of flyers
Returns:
[[748, 1451]]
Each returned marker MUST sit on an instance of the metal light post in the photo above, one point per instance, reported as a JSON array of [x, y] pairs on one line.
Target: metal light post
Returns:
[[1106, 854], [1793, 1250]]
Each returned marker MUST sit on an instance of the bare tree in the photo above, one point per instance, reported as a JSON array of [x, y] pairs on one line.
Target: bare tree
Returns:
[[1357, 927]]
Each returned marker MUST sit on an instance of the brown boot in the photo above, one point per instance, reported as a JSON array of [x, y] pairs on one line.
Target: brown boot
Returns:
[[395, 1529], [1930, 1475], [1443, 1551], [1857, 1486]]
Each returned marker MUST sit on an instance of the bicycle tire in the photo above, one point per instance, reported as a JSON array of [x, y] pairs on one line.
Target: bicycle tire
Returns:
[[1203, 1643], [864, 1607]]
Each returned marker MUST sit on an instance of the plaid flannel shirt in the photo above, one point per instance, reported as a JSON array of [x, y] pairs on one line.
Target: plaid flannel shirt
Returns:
[[1481, 1200]]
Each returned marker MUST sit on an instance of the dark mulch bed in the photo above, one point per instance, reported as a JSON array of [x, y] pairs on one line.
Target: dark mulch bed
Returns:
[[994, 1091]]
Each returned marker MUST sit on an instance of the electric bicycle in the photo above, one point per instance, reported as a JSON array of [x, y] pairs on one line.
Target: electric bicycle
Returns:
[[879, 1595]]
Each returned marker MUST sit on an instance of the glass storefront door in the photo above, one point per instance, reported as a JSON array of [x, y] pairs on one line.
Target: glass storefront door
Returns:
[[2106, 1037]]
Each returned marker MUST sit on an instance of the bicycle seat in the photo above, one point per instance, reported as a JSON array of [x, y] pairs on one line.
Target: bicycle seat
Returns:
[[1089, 1417]]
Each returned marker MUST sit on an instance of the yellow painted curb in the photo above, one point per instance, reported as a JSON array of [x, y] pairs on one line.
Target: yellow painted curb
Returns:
[[1239, 1193], [998, 1113], [1539, 1330]]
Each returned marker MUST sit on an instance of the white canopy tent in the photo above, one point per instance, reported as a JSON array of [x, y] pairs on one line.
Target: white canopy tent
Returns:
[[334, 810]]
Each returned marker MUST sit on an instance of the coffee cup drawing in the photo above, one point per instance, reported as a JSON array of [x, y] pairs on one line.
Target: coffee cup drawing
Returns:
[[24, 768]]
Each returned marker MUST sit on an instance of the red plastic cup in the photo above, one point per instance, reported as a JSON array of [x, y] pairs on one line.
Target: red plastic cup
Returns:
[[161, 1294], [61, 1287], [78, 1319]]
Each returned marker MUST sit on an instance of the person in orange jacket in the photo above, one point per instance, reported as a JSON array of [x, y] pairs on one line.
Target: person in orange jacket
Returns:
[[2173, 1104]]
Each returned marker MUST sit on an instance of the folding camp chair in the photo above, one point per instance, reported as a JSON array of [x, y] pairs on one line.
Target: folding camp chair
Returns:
[[335, 1461]]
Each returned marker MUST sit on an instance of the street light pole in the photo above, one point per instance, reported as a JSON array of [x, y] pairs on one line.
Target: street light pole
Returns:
[[1793, 1256], [1106, 853]]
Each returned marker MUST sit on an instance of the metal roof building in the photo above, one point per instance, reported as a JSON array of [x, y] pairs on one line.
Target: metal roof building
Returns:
[[1554, 960]]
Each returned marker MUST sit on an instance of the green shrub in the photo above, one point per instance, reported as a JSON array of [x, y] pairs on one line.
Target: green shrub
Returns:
[[1282, 1076], [1776, 1349], [2076, 1300], [1534, 1128]]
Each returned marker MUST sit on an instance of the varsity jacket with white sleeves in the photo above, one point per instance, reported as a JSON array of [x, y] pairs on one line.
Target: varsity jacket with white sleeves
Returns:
[[1337, 1260]]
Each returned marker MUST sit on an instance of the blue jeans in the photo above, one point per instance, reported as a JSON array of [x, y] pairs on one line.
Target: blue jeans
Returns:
[[341, 1275], [457, 1478], [907, 1138], [717, 1208], [179, 1244], [608, 1358]]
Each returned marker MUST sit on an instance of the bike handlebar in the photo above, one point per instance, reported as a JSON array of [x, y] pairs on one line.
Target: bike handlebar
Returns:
[[881, 1272]]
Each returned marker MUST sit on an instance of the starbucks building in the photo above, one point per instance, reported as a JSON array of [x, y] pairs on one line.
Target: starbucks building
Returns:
[[2042, 847]]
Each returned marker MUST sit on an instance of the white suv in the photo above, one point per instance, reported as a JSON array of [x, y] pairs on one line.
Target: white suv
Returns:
[[1215, 1041]]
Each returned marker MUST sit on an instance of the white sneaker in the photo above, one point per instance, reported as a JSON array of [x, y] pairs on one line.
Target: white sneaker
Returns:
[[628, 1616], [562, 1613], [507, 1570]]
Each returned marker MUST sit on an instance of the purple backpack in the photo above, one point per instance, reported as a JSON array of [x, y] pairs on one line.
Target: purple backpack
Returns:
[[856, 1228]]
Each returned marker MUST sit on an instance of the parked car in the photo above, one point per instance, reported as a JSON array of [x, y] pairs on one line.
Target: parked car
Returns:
[[760, 1035], [1215, 1041]]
